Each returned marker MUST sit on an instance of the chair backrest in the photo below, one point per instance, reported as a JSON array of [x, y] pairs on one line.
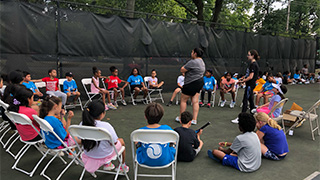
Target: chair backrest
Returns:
[[40, 84], [22, 119], [279, 105], [61, 81], [155, 136], [85, 82], [90, 133], [314, 107], [4, 105], [146, 82]]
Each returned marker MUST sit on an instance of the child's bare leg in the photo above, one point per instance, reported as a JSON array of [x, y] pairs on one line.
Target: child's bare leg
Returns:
[[145, 92], [122, 92], [183, 103], [233, 94], [266, 98], [219, 154], [175, 92], [124, 152], [195, 105], [136, 92], [259, 95], [222, 95], [106, 92], [115, 94]]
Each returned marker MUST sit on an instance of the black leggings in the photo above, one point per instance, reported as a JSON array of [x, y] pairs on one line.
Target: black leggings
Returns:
[[248, 96], [209, 94]]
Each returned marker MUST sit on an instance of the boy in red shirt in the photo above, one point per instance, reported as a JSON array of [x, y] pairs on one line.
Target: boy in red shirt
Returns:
[[52, 86], [113, 84]]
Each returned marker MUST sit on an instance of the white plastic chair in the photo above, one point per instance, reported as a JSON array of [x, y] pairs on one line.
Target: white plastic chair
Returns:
[[96, 134], [3, 124], [310, 115], [133, 100], [236, 86], [40, 85], [85, 82], [119, 98], [150, 91], [61, 81], [213, 94], [154, 136], [47, 128], [280, 104], [24, 120]]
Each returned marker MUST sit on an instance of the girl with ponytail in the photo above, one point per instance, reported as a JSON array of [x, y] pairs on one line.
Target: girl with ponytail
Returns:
[[273, 141], [21, 103], [50, 110], [97, 154]]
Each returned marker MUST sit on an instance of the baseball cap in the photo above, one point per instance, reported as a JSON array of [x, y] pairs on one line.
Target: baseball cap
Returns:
[[69, 74]]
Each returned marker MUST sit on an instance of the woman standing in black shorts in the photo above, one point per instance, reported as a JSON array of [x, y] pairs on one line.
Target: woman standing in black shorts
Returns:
[[193, 82]]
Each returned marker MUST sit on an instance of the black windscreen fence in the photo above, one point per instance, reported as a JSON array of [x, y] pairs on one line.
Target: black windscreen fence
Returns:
[[37, 37]]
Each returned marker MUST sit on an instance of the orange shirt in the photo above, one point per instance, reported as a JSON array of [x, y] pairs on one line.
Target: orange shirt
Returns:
[[260, 82]]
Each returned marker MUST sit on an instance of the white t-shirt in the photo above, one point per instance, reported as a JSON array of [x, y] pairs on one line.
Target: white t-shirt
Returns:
[[279, 79], [152, 81], [104, 149], [180, 80]]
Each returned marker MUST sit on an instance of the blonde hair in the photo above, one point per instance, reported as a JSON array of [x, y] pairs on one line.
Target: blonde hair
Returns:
[[261, 116]]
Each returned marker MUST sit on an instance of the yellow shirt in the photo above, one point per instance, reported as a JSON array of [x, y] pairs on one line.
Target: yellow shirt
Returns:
[[260, 82]]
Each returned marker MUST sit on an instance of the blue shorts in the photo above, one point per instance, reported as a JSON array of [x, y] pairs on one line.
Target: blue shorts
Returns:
[[229, 160]]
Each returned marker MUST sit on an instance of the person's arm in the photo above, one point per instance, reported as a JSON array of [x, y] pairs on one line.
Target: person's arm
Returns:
[[232, 86], [65, 87], [142, 83], [183, 70], [36, 80], [260, 135], [70, 116], [179, 85], [248, 78]]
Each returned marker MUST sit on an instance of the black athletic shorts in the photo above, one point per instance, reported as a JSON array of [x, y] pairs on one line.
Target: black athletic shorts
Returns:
[[192, 88], [134, 86]]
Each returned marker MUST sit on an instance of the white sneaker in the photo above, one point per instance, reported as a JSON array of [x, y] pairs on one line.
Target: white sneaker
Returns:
[[116, 104], [223, 103], [236, 121], [123, 102], [177, 119], [111, 106], [194, 122], [232, 104]]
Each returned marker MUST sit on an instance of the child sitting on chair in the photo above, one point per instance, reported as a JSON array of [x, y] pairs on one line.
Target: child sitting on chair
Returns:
[[165, 153], [227, 85], [180, 82], [209, 84], [279, 91], [136, 84], [100, 153], [52, 86], [259, 83], [244, 153], [190, 143], [96, 89], [113, 85], [70, 87], [153, 81], [30, 85], [266, 91]]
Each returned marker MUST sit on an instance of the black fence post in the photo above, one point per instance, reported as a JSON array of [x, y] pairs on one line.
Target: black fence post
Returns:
[[59, 64]]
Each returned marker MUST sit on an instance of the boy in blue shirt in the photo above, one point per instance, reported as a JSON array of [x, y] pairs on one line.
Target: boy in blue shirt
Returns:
[[30, 85], [266, 90], [145, 152], [70, 87], [209, 83]]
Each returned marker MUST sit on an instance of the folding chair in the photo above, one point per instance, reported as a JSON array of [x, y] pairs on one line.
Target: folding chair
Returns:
[[150, 91], [137, 99], [96, 134], [310, 115], [47, 128], [61, 81], [213, 94], [85, 82], [280, 104], [237, 86], [178, 97], [40, 85], [154, 136], [24, 120], [5, 128]]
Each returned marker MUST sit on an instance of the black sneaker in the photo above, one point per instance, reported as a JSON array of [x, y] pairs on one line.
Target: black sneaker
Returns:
[[169, 103]]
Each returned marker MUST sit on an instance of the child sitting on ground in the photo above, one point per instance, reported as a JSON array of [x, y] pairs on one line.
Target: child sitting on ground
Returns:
[[273, 140], [70, 87], [266, 91], [180, 82], [30, 85], [297, 77], [227, 85], [96, 89], [52, 86], [153, 114], [50, 111], [100, 153], [136, 84], [244, 153], [190, 143], [287, 77], [153, 81], [209, 84], [113, 85]]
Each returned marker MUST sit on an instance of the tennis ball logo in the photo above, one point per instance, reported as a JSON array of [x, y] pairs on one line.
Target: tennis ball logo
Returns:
[[154, 151]]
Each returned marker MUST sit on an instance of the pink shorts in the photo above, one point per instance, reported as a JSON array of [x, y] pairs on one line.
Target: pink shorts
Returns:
[[68, 141], [93, 164], [264, 109], [95, 90]]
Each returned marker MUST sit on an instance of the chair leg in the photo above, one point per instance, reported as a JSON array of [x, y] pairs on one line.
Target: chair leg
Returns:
[[65, 169], [82, 174], [45, 168], [8, 149], [4, 135], [173, 172], [80, 103], [136, 171], [311, 128]]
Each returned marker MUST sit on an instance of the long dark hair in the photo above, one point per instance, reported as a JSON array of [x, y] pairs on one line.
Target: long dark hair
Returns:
[[89, 115], [254, 53], [21, 96], [95, 70], [284, 90], [14, 79], [133, 70], [47, 105]]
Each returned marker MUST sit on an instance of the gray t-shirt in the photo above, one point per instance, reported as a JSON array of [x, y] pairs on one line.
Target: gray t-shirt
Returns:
[[247, 146], [196, 68]]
